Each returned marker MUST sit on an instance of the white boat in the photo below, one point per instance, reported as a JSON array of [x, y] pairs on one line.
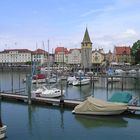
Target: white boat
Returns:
[[71, 79], [92, 106], [3, 131], [39, 81], [2, 126], [114, 79], [49, 93], [79, 82], [52, 93], [38, 78], [119, 71], [132, 71], [52, 80]]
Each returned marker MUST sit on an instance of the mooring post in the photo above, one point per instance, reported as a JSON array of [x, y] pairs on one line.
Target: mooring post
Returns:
[[122, 83], [28, 87], [61, 98], [107, 82], [111, 82]]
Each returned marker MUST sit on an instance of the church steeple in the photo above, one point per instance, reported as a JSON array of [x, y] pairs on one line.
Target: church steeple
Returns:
[[86, 38], [86, 51]]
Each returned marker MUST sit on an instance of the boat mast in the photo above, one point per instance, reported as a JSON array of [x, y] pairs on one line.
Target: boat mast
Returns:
[[48, 74]]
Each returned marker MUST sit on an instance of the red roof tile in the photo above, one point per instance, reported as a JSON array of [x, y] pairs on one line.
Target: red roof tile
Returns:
[[61, 49], [39, 51], [124, 50]]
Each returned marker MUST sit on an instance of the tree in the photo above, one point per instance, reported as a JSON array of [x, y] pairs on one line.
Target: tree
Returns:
[[135, 51]]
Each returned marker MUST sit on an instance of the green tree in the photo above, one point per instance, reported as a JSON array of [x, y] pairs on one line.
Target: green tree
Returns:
[[135, 51]]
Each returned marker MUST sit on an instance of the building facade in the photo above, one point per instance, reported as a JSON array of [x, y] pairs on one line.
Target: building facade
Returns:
[[122, 54], [61, 55], [74, 57], [98, 57], [40, 56], [15, 56]]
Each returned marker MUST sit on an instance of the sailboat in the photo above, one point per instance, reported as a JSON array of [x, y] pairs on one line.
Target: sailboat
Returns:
[[49, 92], [2, 126]]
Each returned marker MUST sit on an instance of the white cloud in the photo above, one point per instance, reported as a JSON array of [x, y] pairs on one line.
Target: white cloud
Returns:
[[129, 33], [107, 9]]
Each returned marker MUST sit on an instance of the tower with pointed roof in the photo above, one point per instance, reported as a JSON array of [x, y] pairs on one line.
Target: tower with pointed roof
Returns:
[[86, 51]]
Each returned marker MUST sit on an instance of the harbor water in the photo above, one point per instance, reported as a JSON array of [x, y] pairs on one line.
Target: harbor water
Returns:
[[34, 122]]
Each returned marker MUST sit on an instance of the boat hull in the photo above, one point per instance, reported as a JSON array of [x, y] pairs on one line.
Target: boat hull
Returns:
[[117, 112], [3, 131], [82, 82]]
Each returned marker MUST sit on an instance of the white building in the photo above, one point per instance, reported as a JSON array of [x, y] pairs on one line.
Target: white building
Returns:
[[15, 56], [40, 56], [97, 57], [61, 54], [74, 56]]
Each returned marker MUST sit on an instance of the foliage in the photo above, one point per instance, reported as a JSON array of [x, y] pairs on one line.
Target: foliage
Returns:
[[28, 63], [135, 51]]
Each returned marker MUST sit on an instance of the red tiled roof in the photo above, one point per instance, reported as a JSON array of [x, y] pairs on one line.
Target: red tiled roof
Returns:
[[19, 50], [61, 49], [39, 51], [124, 50]]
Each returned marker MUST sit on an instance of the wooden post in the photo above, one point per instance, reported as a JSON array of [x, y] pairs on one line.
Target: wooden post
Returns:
[[12, 80], [111, 82], [80, 79], [61, 98], [122, 83], [28, 86], [107, 82], [19, 81]]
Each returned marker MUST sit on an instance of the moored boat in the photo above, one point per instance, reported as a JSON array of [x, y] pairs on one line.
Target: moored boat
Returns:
[[3, 131], [48, 93], [93, 106], [79, 82]]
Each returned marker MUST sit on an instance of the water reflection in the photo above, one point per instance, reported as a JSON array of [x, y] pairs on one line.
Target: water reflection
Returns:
[[101, 121], [35, 113]]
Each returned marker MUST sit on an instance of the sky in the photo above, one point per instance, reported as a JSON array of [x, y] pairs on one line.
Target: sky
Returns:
[[29, 24]]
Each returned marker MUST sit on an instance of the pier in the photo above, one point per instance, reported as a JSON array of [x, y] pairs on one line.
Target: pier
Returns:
[[39, 100], [51, 101]]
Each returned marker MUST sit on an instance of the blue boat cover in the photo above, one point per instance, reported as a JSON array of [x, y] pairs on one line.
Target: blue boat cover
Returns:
[[123, 97]]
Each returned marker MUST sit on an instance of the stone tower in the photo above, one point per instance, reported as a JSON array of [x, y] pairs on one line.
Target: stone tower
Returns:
[[86, 51]]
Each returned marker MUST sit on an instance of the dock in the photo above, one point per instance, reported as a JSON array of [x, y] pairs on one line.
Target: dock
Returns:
[[68, 103], [40, 100]]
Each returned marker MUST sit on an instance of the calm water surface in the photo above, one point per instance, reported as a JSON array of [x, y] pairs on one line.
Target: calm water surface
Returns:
[[50, 123]]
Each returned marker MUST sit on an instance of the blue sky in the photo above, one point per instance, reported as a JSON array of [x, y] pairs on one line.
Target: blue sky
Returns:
[[25, 23]]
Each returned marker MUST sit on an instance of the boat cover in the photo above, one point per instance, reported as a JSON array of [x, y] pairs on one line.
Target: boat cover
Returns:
[[123, 97], [92, 104]]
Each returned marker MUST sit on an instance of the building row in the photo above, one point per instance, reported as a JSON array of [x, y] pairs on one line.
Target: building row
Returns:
[[86, 56]]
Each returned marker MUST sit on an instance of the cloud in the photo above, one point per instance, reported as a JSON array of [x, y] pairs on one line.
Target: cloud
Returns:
[[97, 11], [129, 33]]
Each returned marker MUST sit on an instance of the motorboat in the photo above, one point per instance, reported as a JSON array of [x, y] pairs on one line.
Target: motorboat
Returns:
[[52, 93], [124, 97], [3, 127], [132, 71], [79, 82], [70, 79], [119, 71], [114, 79], [38, 78], [43, 91], [93, 106], [3, 131]]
